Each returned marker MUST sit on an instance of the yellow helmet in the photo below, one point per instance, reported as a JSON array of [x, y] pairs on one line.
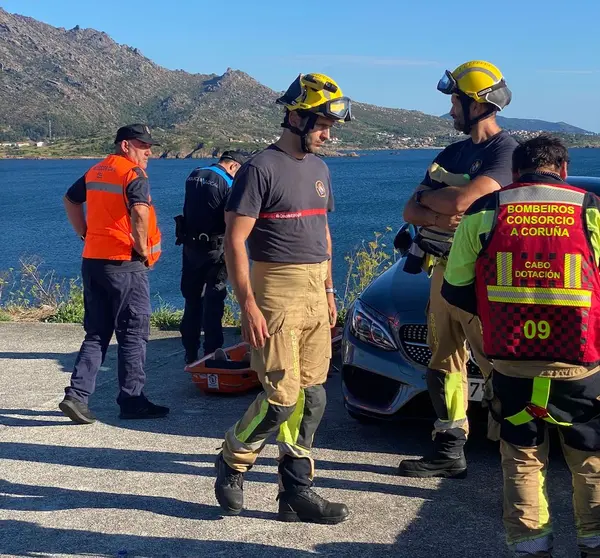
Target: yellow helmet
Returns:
[[318, 94], [481, 81]]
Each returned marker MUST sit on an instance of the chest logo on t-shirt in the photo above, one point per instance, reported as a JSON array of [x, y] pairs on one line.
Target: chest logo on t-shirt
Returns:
[[320, 188], [475, 167]]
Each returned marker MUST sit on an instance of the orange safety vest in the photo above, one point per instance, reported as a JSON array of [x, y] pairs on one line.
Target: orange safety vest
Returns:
[[108, 235]]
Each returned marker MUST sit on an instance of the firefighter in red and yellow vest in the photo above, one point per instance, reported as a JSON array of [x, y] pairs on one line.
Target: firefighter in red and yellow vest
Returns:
[[525, 259], [121, 241]]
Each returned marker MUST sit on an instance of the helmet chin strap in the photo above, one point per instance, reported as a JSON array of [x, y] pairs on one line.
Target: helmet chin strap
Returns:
[[310, 124], [466, 102]]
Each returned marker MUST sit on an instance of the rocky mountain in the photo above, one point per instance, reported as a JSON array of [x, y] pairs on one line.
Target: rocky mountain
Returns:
[[86, 84], [83, 84]]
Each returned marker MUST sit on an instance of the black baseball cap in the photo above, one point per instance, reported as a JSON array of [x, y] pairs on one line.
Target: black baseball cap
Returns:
[[237, 156], [135, 131]]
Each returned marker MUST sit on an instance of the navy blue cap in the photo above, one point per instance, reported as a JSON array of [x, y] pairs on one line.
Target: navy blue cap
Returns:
[[139, 132]]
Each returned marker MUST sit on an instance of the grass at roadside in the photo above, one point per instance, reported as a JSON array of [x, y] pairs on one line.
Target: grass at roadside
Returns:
[[31, 294]]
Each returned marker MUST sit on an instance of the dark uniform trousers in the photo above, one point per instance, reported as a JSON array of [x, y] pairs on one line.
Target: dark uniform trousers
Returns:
[[113, 303], [524, 449], [204, 288]]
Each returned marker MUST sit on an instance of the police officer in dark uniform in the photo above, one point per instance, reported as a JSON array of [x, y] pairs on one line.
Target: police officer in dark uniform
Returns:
[[201, 229]]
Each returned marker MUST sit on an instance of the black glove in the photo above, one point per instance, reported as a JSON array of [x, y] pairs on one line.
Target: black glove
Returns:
[[180, 233]]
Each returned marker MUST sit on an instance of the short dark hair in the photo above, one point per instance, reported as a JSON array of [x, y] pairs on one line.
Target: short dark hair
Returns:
[[543, 151]]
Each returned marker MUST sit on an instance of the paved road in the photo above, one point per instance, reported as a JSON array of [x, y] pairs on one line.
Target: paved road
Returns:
[[147, 486]]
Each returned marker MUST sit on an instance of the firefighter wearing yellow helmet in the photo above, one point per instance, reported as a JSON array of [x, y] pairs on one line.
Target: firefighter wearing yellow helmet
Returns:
[[458, 176], [309, 97], [479, 82], [278, 208]]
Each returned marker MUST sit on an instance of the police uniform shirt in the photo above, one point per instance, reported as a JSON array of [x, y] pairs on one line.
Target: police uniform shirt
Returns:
[[206, 194]]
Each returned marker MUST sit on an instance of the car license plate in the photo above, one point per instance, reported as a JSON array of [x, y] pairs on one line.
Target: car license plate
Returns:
[[475, 389]]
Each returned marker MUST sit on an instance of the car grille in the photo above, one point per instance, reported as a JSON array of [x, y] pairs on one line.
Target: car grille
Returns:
[[369, 388], [414, 342]]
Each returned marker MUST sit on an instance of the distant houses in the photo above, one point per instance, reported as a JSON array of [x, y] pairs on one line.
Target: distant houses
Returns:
[[19, 144]]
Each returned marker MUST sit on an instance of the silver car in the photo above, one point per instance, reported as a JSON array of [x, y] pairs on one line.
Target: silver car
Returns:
[[384, 343]]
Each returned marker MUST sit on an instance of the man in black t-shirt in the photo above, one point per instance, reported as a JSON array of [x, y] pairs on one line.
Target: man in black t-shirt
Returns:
[[204, 276], [278, 205], [459, 175]]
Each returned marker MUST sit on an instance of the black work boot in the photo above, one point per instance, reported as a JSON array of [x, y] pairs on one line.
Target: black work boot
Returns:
[[76, 410], [306, 505], [446, 461], [141, 408], [229, 487], [434, 466]]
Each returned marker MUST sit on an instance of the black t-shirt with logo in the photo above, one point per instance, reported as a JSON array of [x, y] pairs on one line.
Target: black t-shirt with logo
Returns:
[[290, 199], [492, 158]]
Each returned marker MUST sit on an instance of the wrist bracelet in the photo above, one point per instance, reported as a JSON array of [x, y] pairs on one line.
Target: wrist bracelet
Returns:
[[330, 290]]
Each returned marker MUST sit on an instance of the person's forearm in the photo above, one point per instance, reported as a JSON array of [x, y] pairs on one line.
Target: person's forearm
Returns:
[[76, 216], [238, 270], [139, 228], [451, 200], [417, 215]]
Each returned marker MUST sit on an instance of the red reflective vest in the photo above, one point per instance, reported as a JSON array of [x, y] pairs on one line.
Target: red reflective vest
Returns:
[[108, 235], [537, 282]]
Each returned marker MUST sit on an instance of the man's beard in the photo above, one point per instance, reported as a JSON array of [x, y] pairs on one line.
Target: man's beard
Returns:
[[459, 124], [310, 145]]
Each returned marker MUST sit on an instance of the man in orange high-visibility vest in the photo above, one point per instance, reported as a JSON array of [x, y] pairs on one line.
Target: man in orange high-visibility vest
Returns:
[[121, 241]]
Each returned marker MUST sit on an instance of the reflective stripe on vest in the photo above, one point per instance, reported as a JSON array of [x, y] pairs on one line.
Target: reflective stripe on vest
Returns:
[[542, 193], [221, 173], [103, 187], [540, 295], [538, 408]]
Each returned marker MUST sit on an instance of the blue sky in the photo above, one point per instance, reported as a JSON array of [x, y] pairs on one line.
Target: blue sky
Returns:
[[389, 53]]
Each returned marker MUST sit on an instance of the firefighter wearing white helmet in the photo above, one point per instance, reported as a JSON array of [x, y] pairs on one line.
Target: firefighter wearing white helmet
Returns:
[[459, 175], [278, 207]]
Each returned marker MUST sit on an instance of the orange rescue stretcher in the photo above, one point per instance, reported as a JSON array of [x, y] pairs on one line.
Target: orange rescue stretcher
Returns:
[[235, 375]]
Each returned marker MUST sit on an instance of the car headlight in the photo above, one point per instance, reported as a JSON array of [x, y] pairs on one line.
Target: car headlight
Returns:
[[370, 326]]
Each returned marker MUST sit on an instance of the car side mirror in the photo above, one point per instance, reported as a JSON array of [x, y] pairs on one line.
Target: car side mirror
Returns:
[[404, 238]]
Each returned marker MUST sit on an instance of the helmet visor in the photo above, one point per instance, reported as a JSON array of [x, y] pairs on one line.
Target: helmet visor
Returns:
[[447, 84], [337, 109]]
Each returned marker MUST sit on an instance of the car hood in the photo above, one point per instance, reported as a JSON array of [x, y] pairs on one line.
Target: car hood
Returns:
[[396, 293]]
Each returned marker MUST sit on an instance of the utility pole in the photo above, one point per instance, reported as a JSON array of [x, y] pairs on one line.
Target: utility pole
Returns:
[[50, 130]]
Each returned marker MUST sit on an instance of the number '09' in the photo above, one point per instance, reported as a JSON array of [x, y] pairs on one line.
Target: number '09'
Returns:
[[541, 329]]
